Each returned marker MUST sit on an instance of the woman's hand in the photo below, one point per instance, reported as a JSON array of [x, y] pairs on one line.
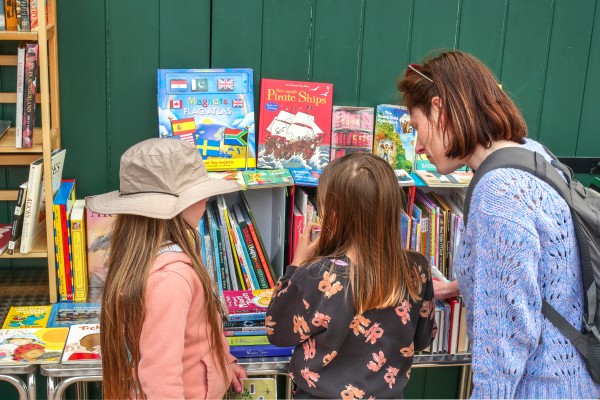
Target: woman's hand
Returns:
[[443, 290], [237, 374], [305, 248]]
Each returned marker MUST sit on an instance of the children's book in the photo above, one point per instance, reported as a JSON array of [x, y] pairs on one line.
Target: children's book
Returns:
[[404, 178], [255, 389], [214, 110], [5, 231], [455, 179], [262, 350], [61, 213], [67, 314], [247, 301], [394, 136], [83, 344], [248, 340], [78, 251], [17, 224], [295, 124], [351, 130], [261, 178], [235, 176], [98, 227], [20, 317], [305, 177], [32, 346]]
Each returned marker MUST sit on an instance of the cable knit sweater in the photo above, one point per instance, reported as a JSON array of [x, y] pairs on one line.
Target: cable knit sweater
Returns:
[[519, 247]]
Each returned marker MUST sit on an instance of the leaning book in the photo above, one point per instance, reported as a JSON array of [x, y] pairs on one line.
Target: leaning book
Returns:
[[394, 136], [212, 109], [20, 317], [32, 346], [83, 344], [67, 314]]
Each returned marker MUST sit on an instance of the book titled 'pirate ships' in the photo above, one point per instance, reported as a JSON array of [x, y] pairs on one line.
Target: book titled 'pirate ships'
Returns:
[[214, 110], [295, 124]]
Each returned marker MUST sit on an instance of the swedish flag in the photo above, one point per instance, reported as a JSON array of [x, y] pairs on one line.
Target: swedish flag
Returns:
[[209, 147]]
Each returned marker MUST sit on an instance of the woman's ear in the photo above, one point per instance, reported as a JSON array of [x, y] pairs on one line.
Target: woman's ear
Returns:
[[436, 104]]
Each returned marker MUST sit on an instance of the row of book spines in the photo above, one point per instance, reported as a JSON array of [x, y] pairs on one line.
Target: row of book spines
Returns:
[[27, 57], [20, 15], [450, 318]]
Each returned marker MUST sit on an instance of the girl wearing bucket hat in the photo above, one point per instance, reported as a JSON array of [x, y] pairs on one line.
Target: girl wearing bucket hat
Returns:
[[161, 327]]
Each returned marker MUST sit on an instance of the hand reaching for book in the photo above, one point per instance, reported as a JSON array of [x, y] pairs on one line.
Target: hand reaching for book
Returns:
[[306, 247], [444, 290], [237, 374]]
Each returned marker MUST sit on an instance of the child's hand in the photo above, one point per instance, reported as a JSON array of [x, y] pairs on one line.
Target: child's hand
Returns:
[[305, 248], [238, 373]]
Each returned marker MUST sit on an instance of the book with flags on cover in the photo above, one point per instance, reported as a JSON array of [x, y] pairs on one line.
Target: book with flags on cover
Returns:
[[214, 110]]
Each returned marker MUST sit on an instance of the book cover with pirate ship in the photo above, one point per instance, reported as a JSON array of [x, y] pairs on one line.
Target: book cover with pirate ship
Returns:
[[294, 124], [214, 110], [351, 130], [32, 346], [394, 136]]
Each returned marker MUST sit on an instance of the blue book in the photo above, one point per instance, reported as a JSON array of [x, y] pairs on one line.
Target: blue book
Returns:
[[264, 350], [305, 177], [67, 314], [257, 316]]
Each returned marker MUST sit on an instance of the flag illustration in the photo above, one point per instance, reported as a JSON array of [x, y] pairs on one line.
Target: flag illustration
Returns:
[[237, 103], [188, 137], [209, 147], [236, 137], [175, 104], [199, 85], [224, 85], [183, 126], [178, 84]]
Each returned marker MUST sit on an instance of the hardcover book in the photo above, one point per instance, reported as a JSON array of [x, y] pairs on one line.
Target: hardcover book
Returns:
[[29, 91], [247, 301], [32, 346], [214, 110], [83, 344], [304, 177], [20, 317], [263, 350], [61, 213], [97, 230], [255, 389], [295, 124], [17, 224], [261, 178], [67, 314], [235, 176], [404, 178], [78, 251], [394, 136], [351, 130], [5, 231], [455, 179]]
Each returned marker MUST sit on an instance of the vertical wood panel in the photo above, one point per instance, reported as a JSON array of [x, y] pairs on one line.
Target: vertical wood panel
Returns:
[[588, 143], [434, 27], [566, 73], [337, 46], [184, 29], [82, 80], [385, 50], [525, 55], [482, 31], [132, 63]]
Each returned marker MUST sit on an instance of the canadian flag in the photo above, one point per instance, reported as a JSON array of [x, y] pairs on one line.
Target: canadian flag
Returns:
[[175, 104]]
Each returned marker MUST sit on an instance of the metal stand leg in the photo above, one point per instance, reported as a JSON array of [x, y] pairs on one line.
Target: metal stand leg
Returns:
[[18, 384], [51, 388], [31, 385]]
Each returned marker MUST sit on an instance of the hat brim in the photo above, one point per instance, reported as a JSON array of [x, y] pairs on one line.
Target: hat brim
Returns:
[[160, 205]]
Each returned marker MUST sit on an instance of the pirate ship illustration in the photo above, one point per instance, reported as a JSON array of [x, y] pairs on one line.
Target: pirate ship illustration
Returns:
[[291, 134]]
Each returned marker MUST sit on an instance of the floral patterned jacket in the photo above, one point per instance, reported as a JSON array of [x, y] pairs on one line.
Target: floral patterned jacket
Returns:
[[340, 354]]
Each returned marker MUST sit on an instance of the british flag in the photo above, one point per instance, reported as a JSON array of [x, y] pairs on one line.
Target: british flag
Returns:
[[225, 85], [237, 103]]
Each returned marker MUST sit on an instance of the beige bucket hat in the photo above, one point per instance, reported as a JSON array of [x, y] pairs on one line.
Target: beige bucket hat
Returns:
[[159, 178]]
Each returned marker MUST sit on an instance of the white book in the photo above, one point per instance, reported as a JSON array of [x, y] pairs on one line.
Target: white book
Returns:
[[34, 220], [83, 344], [19, 104]]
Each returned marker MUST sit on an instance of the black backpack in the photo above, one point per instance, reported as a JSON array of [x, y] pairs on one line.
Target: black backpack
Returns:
[[585, 211]]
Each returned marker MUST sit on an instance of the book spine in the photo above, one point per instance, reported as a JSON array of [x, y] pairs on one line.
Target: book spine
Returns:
[[254, 329], [238, 269], [33, 15], [260, 316], [243, 324], [248, 281], [29, 90], [19, 103], [260, 351], [17, 223], [58, 252], [245, 333], [2, 17], [31, 206], [247, 340], [255, 263], [23, 15], [68, 260], [215, 252], [80, 279], [10, 14], [227, 243]]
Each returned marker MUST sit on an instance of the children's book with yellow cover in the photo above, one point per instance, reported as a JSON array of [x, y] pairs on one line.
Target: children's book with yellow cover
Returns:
[[255, 388], [20, 317], [32, 346]]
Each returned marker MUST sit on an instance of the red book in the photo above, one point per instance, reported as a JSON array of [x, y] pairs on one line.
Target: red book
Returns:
[[247, 301], [294, 124], [5, 230]]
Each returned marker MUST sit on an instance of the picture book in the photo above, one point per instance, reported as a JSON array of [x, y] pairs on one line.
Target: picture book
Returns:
[[83, 344], [404, 178], [261, 350], [351, 130], [97, 230], [67, 314], [295, 124], [260, 178], [61, 213], [20, 317], [214, 110], [32, 346], [394, 136], [455, 179], [247, 301], [255, 389], [247, 340], [78, 251], [305, 177], [5, 230], [235, 176]]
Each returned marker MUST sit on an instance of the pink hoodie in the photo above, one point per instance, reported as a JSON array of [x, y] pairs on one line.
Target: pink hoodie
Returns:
[[176, 360]]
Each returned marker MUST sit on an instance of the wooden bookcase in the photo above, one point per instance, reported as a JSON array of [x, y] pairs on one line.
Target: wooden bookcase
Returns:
[[46, 137]]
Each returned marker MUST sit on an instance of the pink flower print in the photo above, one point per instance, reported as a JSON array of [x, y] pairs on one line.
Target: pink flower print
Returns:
[[306, 305], [301, 327], [373, 333], [321, 320], [408, 351], [329, 357], [328, 285], [425, 308], [309, 349], [377, 363], [359, 323], [339, 262], [352, 392], [310, 377], [269, 324], [403, 311], [390, 376]]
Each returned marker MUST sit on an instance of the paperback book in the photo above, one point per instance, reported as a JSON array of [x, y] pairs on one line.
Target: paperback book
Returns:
[[295, 124], [255, 389], [247, 301], [83, 344], [20, 317], [32, 346], [394, 136], [67, 314], [454, 179], [261, 178], [263, 350], [214, 110]]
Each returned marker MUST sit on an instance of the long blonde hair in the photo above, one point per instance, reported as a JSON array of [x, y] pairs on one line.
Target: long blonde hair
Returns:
[[360, 203], [135, 242]]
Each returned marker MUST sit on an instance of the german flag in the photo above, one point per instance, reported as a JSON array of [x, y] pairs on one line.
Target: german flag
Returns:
[[236, 137], [183, 126]]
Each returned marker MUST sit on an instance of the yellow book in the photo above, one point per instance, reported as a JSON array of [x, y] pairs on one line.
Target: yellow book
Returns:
[[79, 250], [27, 317], [59, 253], [247, 340]]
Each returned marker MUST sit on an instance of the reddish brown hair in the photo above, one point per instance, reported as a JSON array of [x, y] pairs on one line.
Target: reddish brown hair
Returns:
[[475, 109]]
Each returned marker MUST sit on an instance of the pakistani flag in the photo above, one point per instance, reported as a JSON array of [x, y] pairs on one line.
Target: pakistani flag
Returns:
[[236, 137]]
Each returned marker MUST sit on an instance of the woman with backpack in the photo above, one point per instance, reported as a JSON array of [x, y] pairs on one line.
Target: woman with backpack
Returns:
[[519, 246]]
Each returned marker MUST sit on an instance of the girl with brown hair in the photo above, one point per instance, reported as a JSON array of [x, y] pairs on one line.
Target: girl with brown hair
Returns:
[[354, 303], [161, 327]]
